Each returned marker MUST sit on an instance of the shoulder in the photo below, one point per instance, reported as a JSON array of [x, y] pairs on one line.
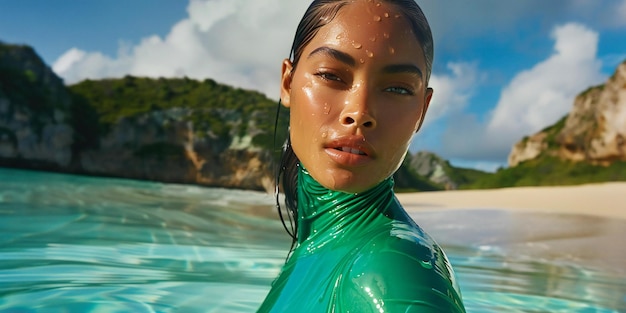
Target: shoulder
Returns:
[[404, 269]]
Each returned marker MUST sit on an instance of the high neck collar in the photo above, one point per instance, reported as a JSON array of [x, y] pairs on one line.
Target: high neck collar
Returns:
[[328, 213]]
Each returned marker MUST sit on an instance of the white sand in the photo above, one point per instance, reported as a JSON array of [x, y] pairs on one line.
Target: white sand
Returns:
[[605, 199]]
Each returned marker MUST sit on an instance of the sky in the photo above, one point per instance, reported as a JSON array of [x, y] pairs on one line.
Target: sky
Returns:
[[503, 69]]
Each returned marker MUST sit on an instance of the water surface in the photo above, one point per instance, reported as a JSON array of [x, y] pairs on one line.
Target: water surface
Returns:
[[83, 244]]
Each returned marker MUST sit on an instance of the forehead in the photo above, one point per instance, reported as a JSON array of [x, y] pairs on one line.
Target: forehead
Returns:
[[370, 27]]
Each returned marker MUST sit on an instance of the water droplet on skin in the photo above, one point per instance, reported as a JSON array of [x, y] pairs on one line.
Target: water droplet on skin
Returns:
[[397, 16], [339, 36], [369, 53], [378, 4], [386, 35], [373, 39], [386, 14], [326, 108], [362, 61], [356, 45], [377, 18], [324, 135], [392, 50]]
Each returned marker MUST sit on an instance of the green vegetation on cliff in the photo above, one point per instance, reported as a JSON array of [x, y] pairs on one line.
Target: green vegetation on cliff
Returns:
[[25, 80], [216, 110], [551, 171], [32, 99], [553, 131], [467, 177]]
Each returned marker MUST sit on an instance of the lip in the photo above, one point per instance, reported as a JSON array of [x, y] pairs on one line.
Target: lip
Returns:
[[342, 150]]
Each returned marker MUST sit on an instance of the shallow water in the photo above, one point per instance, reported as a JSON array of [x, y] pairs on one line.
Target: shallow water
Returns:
[[83, 244]]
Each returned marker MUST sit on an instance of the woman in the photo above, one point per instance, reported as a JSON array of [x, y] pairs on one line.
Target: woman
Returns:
[[357, 91]]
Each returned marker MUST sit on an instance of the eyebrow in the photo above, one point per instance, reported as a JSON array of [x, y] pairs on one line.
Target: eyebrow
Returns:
[[350, 61], [335, 54], [403, 68]]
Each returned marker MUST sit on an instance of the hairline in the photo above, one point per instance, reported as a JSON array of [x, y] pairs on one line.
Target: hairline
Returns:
[[295, 58]]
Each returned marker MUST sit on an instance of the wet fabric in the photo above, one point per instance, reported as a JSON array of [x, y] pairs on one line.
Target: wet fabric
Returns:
[[361, 253]]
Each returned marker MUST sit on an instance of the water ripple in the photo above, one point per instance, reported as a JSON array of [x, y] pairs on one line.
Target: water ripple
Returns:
[[83, 244]]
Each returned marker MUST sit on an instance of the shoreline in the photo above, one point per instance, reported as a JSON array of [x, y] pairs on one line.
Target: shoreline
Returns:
[[599, 199]]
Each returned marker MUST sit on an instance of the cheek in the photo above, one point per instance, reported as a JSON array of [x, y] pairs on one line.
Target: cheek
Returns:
[[313, 106], [312, 114]]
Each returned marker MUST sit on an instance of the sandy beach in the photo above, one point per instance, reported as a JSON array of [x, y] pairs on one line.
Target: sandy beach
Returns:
[[603, 199]]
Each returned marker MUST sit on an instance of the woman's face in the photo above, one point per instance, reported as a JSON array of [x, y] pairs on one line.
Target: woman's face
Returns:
[[356, 97]]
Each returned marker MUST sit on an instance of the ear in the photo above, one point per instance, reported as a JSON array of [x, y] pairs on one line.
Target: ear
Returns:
[[285, 83], [427, 97]]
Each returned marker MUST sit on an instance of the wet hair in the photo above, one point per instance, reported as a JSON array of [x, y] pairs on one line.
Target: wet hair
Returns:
[[320, 13]]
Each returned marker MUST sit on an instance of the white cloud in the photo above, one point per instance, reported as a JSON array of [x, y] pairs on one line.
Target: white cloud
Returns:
[[535, 98], [539, 96], [76, 64], [452, 91], [237, 42], [67, 60], [206, 13]]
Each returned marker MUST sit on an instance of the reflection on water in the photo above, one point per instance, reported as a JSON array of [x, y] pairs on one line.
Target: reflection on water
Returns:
[[522, 262], [79, 244]]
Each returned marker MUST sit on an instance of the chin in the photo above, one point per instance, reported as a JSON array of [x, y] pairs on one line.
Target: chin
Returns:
[[347, 181]]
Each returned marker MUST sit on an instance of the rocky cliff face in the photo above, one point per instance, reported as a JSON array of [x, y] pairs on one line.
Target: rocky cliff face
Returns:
[[440, 173], [528, 148], [596, 128], [594, 131], [164, 146], [434, 168], [34, 111], [42, 126]]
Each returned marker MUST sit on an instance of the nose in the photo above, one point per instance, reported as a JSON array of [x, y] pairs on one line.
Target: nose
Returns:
[[356, 111]]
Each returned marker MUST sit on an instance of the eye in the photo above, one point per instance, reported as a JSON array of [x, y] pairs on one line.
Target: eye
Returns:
[[400, 91], [328, 76]]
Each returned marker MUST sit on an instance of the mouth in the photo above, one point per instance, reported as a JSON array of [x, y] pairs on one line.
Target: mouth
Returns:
[[351, 150]]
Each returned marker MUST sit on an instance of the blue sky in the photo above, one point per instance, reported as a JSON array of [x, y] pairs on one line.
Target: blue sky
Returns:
[[503, 69]]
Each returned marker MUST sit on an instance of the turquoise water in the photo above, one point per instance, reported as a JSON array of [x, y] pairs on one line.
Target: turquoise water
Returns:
[[84, 244]]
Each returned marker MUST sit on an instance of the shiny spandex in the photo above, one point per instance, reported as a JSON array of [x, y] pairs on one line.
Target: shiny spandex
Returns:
[[361, 253]]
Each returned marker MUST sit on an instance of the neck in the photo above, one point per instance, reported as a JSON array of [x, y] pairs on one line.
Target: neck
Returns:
[[326, 213]]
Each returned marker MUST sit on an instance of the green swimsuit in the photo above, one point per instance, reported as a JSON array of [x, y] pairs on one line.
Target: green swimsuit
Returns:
[[361, 253]]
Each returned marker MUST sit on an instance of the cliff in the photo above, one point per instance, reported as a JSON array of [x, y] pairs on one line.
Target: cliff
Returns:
[[179, 130], [164, 146], [441, 173], [170, 130], [593, 132], [35, 111], [585, 146]]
